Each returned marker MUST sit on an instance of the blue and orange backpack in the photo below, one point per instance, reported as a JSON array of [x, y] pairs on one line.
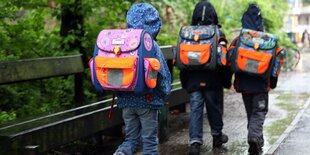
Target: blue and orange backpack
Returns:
[[198, 48], [256, 54]]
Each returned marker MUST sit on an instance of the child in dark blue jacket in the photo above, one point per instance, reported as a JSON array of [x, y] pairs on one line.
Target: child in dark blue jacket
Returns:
[[254, 89], [206, 87], [140, 116]]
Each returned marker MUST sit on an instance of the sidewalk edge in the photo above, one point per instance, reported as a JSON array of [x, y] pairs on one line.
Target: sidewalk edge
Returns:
[[291, 127]]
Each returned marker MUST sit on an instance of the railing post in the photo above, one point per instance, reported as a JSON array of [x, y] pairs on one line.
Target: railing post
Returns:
[[78, 89]]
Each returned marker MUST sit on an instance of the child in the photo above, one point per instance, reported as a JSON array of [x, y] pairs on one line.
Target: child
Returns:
[[140, 116], [254, 89], [206, 86]]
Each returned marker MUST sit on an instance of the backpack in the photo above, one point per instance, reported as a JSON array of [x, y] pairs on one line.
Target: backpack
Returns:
[[255, 53], [124, 60], [198, 48]]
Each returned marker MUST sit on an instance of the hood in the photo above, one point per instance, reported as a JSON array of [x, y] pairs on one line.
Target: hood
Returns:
[[252, 18], [204, 14], [144, 16]]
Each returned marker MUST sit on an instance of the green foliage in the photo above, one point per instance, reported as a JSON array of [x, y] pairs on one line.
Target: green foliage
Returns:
[[172, 23], [30, 29], [7, 116], [102, 15], [32, 98], [23, 35], [306, 2]]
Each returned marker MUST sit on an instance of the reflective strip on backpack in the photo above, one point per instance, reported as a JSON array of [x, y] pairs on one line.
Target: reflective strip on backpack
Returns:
[[115, 77], [194, 58], [252, 66], [223, 56], [152, 74]]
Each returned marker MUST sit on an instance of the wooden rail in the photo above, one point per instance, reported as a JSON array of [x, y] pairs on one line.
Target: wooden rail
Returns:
[[43, 133], [32, 69]]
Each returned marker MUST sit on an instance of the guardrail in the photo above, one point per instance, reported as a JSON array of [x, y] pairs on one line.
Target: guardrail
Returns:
[[40, 134]]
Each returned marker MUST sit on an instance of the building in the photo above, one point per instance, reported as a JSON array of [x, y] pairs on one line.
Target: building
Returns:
[[297, 20]]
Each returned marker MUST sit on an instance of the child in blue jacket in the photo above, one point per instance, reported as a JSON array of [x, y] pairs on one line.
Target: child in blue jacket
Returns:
[[140, 116]]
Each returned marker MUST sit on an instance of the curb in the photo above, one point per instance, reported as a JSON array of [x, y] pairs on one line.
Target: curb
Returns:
[[290, 128]]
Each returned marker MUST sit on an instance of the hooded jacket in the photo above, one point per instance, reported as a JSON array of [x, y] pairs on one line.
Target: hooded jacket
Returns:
[[252, 18], [194, 80], [145, 16], [245, 83], [204, 14]]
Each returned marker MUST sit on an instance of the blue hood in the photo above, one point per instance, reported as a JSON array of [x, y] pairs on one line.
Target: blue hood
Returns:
[[144, 16]]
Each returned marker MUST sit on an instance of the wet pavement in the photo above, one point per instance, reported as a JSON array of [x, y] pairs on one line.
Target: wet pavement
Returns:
[[296, 139], [285, 103]]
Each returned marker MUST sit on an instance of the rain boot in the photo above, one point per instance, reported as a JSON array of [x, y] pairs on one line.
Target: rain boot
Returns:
[[255, 146], [219, 140], [194, 149]]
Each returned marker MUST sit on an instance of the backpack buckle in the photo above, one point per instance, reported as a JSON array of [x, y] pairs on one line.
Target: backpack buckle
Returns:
[[256, 46], [196, 38], [117, 50]]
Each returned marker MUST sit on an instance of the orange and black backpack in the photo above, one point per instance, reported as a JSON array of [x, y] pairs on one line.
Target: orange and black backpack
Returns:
[[198, 48], [254, 53]]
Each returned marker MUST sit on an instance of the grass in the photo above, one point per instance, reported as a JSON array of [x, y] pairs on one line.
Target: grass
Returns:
[[291, 104], [278, 127]]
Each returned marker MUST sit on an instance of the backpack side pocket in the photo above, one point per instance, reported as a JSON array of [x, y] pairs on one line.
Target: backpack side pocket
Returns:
[[222, 55], [151, 67]]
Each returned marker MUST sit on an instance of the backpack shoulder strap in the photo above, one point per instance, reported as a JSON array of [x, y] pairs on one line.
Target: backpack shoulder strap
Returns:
[[278, 50], [234, 52]]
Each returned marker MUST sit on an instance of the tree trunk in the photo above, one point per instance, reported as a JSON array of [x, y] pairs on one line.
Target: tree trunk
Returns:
[[72, 23]]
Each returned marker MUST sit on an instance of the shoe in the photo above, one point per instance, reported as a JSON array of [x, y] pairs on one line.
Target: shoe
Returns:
[[219, 140], [194, 149], [255, 146]]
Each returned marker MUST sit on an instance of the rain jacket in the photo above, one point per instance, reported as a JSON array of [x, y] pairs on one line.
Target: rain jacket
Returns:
[[194, 80], [245, 83], [144, 16]]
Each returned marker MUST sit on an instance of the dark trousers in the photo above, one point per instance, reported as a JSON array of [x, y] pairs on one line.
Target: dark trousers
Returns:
[[256, 105], [212, 99]]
